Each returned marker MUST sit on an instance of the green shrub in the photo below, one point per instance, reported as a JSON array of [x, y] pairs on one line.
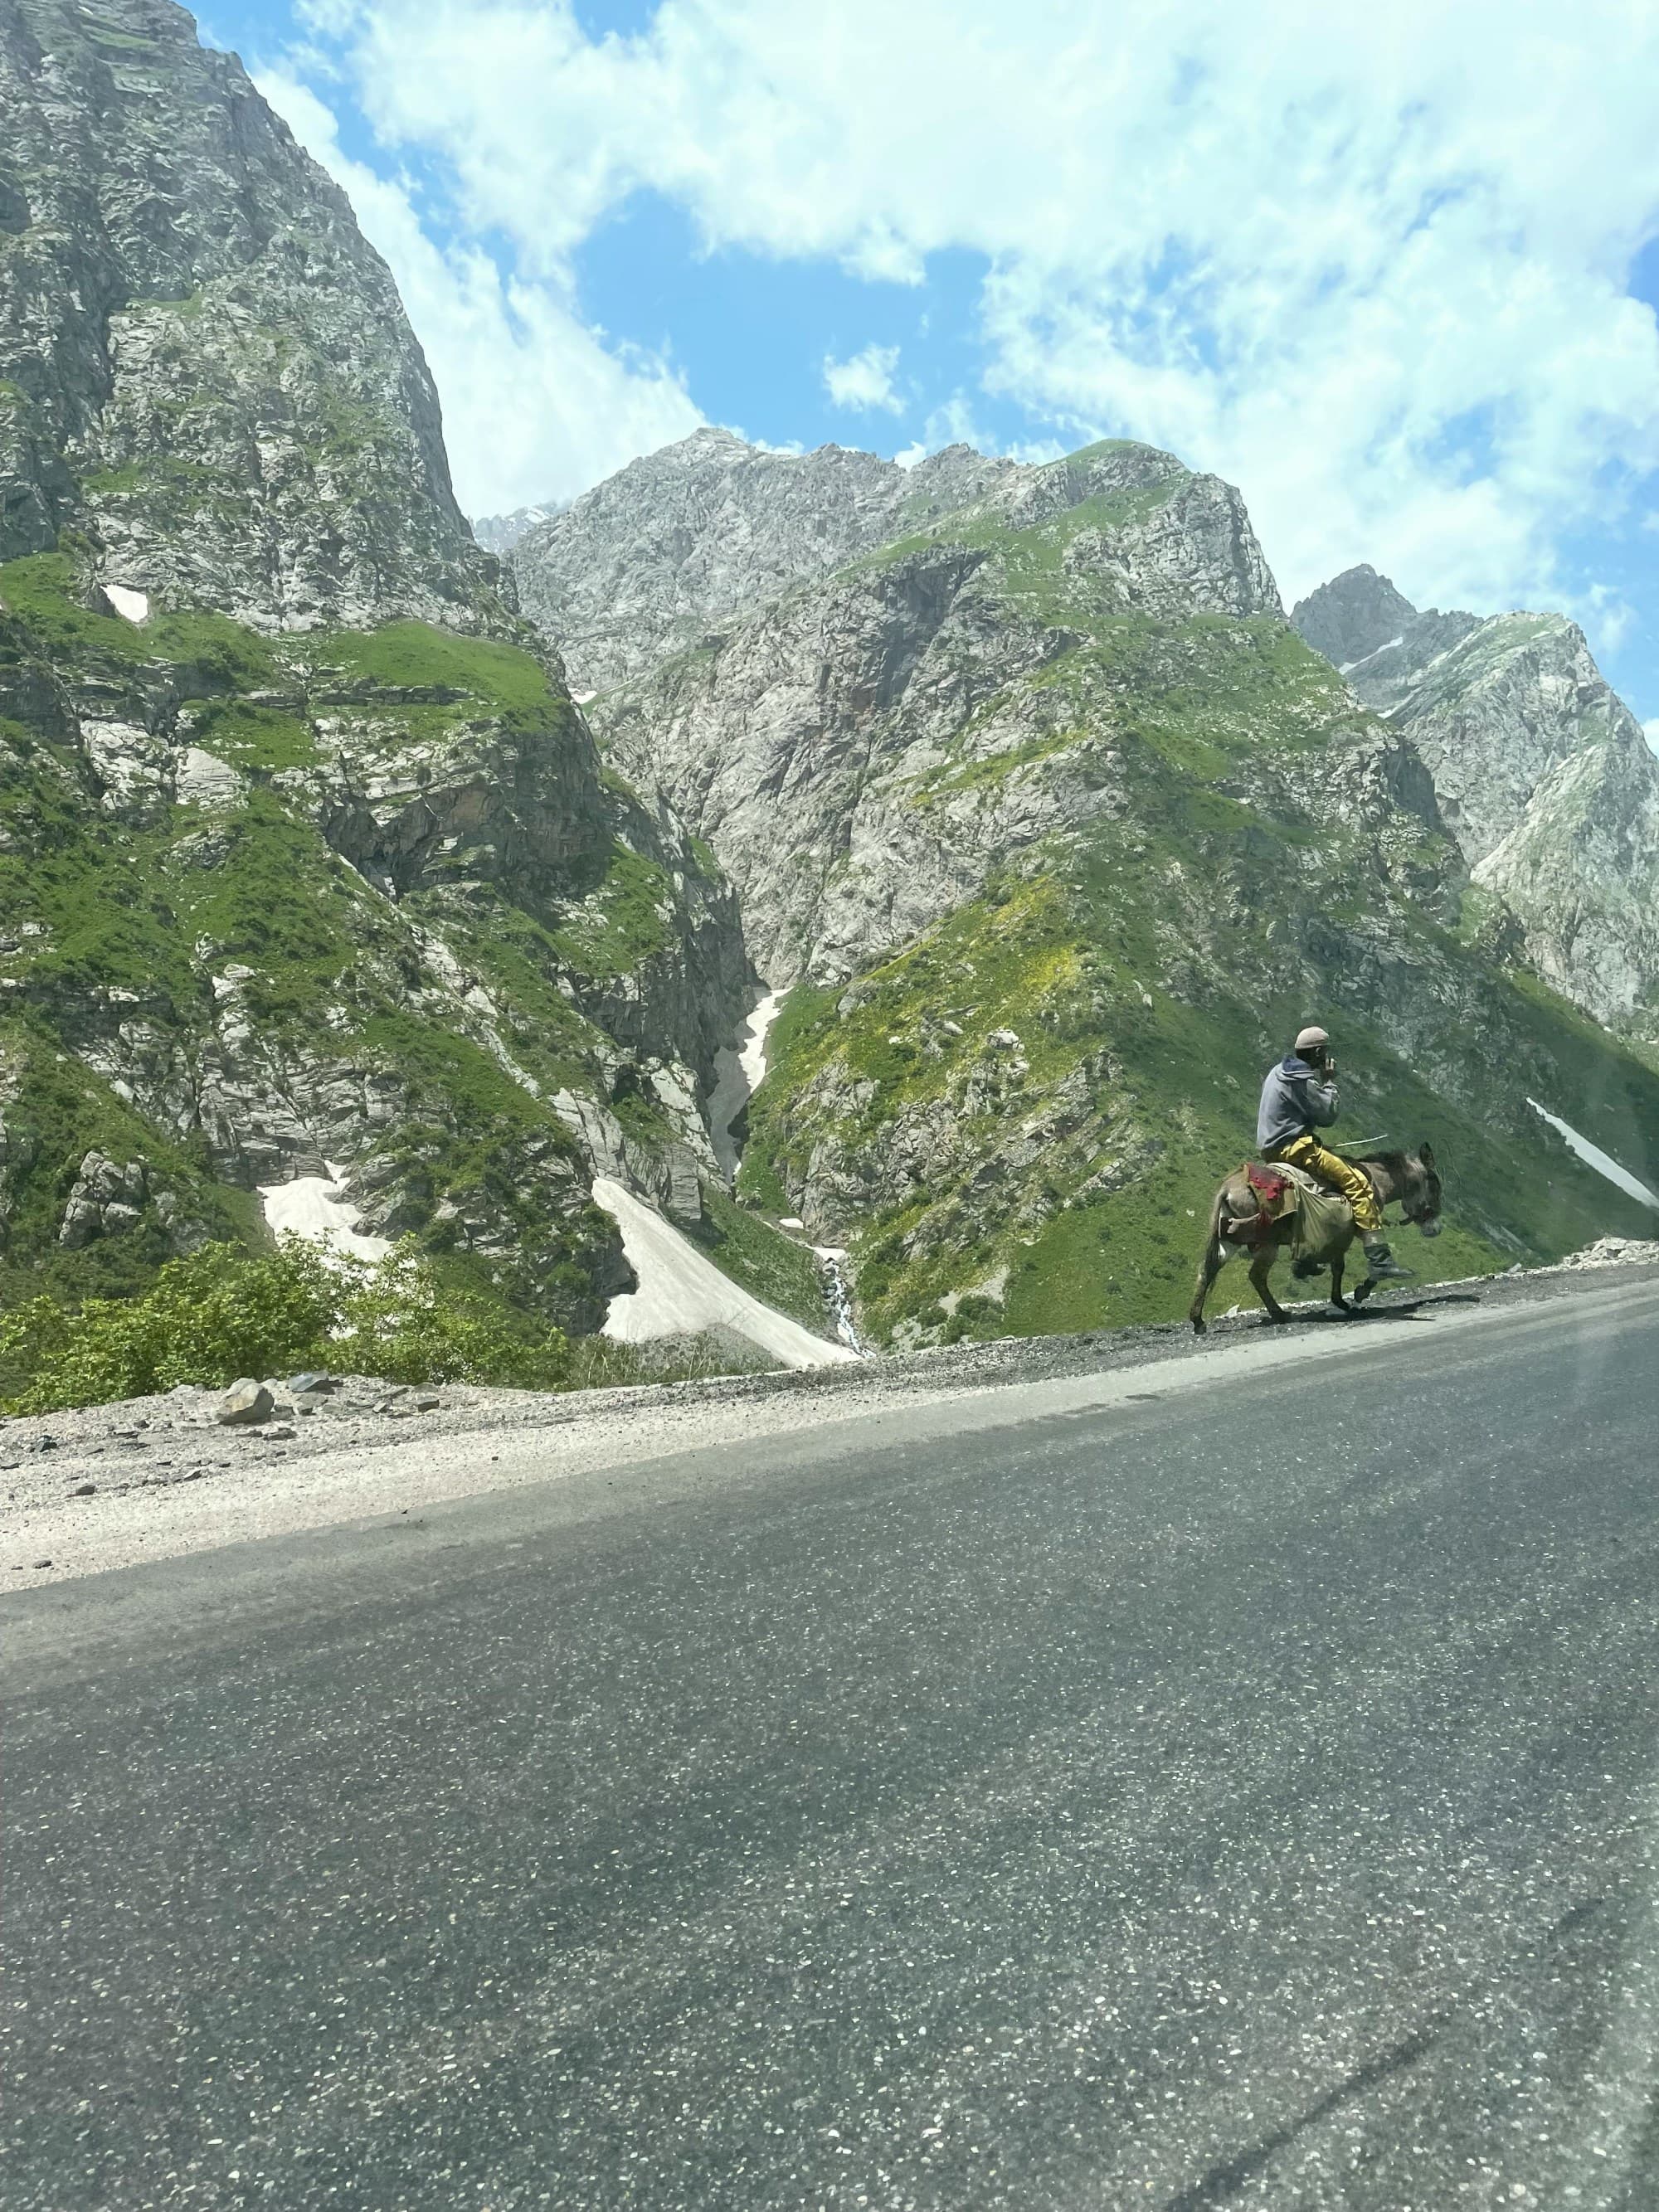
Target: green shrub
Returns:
[[223, 1313]]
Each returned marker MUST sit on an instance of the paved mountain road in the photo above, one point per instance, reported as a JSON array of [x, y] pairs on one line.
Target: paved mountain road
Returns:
[[1236, 1795]]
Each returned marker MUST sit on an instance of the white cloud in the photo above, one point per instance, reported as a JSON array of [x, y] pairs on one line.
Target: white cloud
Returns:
[[864, 381], [1365, 268], [1608, 616], [1650, 731], [536, 405]]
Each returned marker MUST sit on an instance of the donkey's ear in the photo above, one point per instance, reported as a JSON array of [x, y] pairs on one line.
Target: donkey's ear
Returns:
[[1426, 1153]]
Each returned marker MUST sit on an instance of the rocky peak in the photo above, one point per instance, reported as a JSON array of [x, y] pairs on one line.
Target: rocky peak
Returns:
[[1351, 616], [863, 750], [1378, 640], [203, 366], [500, 533], [660, 559], [1540, 773]]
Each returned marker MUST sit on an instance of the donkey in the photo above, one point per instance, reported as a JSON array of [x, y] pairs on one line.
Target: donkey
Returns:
[[1409, 1178]]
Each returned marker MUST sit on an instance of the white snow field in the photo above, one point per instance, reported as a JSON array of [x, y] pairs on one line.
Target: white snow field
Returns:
[[738, 1071], [682, 1293], [1593, 1155], [312, 1206], [132, 606]]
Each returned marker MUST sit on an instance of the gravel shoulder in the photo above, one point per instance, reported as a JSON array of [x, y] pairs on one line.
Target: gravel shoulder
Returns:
[[110, 1486]]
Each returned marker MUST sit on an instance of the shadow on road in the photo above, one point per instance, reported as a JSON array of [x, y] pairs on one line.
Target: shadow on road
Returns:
[[1419, 1308]]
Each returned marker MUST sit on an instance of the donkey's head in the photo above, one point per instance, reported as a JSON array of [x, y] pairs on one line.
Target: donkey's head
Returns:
[[1420, 1201]]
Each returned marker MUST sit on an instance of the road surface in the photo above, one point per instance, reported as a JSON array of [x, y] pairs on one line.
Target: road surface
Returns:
[[1240, 1794]]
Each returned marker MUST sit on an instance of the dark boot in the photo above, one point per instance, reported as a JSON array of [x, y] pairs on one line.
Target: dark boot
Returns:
[[1380, 1266]]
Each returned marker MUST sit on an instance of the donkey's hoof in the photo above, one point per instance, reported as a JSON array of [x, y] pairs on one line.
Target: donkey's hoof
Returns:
[[1201, 1326]]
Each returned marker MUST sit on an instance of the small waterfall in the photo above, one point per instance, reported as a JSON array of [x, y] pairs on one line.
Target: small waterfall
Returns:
[[832, 1258]]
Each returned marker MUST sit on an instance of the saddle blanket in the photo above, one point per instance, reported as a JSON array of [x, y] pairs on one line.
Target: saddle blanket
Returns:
[[1324, 1221]]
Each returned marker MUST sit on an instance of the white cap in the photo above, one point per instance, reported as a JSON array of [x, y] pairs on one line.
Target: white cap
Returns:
[[1308, 1039]]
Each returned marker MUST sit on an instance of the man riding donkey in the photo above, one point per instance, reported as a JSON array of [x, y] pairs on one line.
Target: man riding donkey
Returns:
[[1259, 1211], [1298, 1098]]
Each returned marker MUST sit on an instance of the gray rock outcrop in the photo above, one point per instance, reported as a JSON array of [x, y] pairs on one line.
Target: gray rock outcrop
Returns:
[[1540, 772], [204, 365], [651, 561], [865, 750]]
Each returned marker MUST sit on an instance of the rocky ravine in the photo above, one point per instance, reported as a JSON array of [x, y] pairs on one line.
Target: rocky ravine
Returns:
[[1542, 774]]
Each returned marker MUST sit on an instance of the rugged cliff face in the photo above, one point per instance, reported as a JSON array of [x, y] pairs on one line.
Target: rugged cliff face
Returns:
[[651, 560], [864, 752], [205, 367], [1057, 830], [1543, 775], [305, 854]]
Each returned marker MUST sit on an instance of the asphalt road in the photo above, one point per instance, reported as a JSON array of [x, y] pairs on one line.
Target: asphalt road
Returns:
[[1237, 1795]]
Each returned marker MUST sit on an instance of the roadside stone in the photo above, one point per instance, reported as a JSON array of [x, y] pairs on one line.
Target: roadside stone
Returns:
[[429, 1404], [244, 1405], [85, 1490], [309, 1401], [277, 1432], [312, 1383]]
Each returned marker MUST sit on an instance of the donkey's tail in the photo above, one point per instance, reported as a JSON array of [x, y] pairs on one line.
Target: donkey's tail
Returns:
[[1209, 1265]]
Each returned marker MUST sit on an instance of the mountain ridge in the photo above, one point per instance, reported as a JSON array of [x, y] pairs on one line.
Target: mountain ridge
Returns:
[[1544, 776]]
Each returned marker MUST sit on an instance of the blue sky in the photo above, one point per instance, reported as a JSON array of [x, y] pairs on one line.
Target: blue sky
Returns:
[[1393, 273]]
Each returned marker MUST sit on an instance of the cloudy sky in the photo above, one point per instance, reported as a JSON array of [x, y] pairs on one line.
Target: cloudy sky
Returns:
[[1390, 268]]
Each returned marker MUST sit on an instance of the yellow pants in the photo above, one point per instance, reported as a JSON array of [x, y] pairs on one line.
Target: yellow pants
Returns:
[[1307, 1152]]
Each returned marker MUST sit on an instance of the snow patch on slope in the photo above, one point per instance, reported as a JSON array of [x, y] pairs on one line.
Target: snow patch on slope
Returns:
[[682, 1292], [739, 1069], [132, 606], [1593, 1155], [313, 1206]]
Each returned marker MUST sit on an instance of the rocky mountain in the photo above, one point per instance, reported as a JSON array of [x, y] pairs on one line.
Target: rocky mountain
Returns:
[[1543, 776], [500, 533], [792, 743], [207, 372], [651, 559], [306, 856], [1053, 828]]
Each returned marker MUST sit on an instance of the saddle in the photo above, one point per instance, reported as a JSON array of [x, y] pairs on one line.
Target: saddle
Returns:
[[1323, 1219]]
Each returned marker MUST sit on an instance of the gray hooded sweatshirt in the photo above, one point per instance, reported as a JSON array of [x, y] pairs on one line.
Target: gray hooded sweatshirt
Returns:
[[1294, 1102]]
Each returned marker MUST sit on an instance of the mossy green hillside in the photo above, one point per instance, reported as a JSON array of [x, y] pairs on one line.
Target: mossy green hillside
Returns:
[[1105, 1226], [626, 918], [453, 676], [40, 594], [768, 1264], [501, 679], [55, 1112], [1159, 959], [135, 907]]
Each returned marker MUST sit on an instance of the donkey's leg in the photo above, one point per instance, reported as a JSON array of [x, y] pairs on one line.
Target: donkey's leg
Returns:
[[1215, 1258], [1337, 1298], [1260, 1267]]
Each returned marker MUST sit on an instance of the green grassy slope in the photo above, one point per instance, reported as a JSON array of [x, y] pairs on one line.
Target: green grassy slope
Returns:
[[331, 933]]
